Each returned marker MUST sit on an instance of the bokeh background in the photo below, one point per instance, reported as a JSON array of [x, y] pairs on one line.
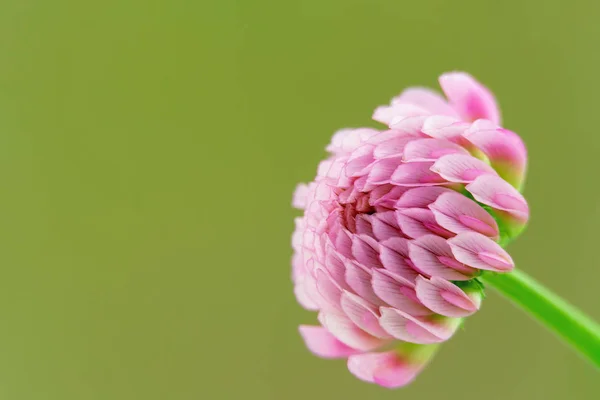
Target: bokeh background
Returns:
[[148, 152]]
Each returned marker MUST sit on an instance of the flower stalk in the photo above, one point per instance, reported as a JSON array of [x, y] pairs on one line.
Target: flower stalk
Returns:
[[560, 317]]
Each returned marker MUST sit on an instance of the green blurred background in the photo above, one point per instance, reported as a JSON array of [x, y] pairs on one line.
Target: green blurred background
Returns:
[[149, 150]]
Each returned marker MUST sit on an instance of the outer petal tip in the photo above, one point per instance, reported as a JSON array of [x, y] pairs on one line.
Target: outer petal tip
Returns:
[[469, 98], [323, 344], [392, 369]]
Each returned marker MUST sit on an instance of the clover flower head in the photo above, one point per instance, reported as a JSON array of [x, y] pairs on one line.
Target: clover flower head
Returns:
[[399, 223]]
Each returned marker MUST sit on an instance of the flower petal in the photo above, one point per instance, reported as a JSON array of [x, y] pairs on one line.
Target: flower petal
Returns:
[[511, 207], [382, 170], [420, 330], [457, 213], [448, 128], [430, 150], [505, 150], [363, 314], [366, 251], [416, 174], [300, 196], [393, 253], [391, 369], [397, 292], [432, 256], [359, 279], [426, 99], [478, 251], [469, 98], [445, 298], [342, 328], [420, 197], [387, 114], [323, 344], [461, 168], [416, 222]]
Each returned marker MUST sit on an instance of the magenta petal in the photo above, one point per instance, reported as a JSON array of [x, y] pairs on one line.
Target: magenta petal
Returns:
[[420, 330], [461, 168], [478, 251], [446, 298], [342, 328], [397, 292], [392, 369], [499, 194], [433, 256], [430, 150], [416, 174], [469, 98], [323, 344], [457, 213]]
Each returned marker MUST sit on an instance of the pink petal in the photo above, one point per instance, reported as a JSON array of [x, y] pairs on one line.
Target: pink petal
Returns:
[[359, 160], [342, 328], [378, 192], [359, 279], [363, 225], [416, 174], [420, 197], [330, 293], [461, 168], [420, 330], [397, 292], [389, 199], [393, 147], [382, 170], [392, 369], [336, 268], [382, 230], [457, 213], [433, 256], [499, 194], [430, 150], [346, 141], [363, 314], [303, 298], [505, 150], [426, 99], [446, 298], [409, 125], [323, 344], [387, 114], [478, 251], [416, 222], [469, 98], [448, 128], [300, 196], [366, 251], [393, 253]]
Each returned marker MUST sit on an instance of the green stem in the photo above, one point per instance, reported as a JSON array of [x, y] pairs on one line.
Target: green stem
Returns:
[[576, 328]]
